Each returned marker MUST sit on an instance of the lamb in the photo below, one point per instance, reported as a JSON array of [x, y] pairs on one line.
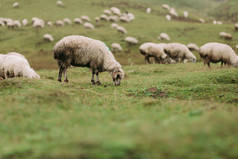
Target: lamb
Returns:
[[116, 47], [164, 36], [131, 40], [48, 38], [15, 5], [153, 50], [218, 52], [82, 51], [193, 47], [236, 26], [16, 65], [88, 26], [179, 52], [225, 35]]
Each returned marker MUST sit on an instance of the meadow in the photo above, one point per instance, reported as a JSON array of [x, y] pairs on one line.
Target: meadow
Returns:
[[159, 111]]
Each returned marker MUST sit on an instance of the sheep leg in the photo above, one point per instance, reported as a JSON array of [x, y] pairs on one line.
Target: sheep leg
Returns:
[[222, 64], [65, 75], [97, 79], [92, 80], [60, 74], [147, 59]]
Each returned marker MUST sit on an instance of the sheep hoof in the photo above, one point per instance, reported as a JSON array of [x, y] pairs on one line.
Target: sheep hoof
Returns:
[[59, 80], [93, 82], [66, 80], [98, 83]]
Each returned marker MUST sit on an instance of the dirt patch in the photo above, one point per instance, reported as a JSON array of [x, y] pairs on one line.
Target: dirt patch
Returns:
[[155, 92]]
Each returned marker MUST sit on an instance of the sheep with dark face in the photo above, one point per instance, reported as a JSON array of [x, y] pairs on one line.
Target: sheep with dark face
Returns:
[[82, 51]]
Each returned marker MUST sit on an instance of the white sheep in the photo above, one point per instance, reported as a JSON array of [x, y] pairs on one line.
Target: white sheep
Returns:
[[48, 38], [97, 19], [113, 18], [148, 10], [218, 52], [116, 47], [116, 11], [82, 51], [173, 12], [104, 17], [179, 52], [78, 21], [237, 47], [114, 25], [15, 5], [193, 47], [107, 12], [185, 14], [236, 26], [2, 23], [49, 23], [16, 65], [88, 26], [168, 17], [121, 30], [131, 40], [24, 22], [225, 35], [60, 3], [164, 36], [59, 23], [219, 22], [202, 20], [67, 21], [166, 6], [85, 18], [153, 50], [38, 23]]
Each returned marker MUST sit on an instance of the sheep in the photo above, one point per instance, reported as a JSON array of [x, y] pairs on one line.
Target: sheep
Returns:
[[193, 47], [164, 36], [166, 6], [121, 30], [15, 5], [236, 26], [88, 26], [124, 19], [179, 52], [131, 40], [97, 19], [78, 21], [38, 23], [114, 25], [16, 65], [173, 12], [107, 12], [48, 38], [225, 35], [24, 22], [202, 20], [113, 18], [59, 3], [59, 23], [153, 50], [85, 18], [82, 51], [67, 21], [49, 23], [237, 47], [116, 11], [104, 17], [116, 47], [168, 17], [185, 14], [148, 10], [2, 23], [218, 52], [17, 23]]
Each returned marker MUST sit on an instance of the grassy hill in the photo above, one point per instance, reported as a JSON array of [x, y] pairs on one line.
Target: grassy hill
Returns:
[[160, 111]]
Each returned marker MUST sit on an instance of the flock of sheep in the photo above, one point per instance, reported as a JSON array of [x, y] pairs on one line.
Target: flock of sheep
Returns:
[[81, 51]]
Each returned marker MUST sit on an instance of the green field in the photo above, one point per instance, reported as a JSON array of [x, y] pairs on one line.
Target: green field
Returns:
[[177, 111]]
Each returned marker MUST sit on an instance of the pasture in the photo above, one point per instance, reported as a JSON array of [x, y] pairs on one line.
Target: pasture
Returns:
[[159, 111]]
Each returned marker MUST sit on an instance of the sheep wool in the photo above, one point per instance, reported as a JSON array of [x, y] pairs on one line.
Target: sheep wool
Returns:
[[48, 38], [24, 22], [89, 26], [236, 26], [15, 5], [78, 21], [164, 36], [218, 52], [116, 47], [121, 30], [225, 35], [193, 47], [116, 11], [131, 40], [185, 14], [166, 6], [168, 17], [148, 10], [85, 18], [67, 21], [82, 51]]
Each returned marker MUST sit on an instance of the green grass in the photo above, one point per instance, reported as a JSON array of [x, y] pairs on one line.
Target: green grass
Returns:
[[160, 111]]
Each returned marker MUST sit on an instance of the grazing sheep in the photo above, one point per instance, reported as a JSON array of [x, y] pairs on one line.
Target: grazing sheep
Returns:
[[131, 40], [166, 6], [97, 19], [59, 23], [168, 17], [185, 14], [193, 47], [59, 3], [113, 18], [116, 11], [225, 35], [173, 12], [24, 22], [202, 20], [107, 12], [236, 26], [86, 52], [114, 25], [15, 5], [121, 30], [48, 38], [2, 23], [179, 52], [67, 21], [153, 50], [88, 26], [124, 19], [78, 21], [164, 36], [237, 47], [16, 65], [116, 47], [148, 10], [49, 23], [219, 23], [17, 23], [38, 23], [104, 17], [85, 18], [218, 52]]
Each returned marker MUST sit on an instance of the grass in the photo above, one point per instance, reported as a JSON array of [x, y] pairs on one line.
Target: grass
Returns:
[[160, 111]]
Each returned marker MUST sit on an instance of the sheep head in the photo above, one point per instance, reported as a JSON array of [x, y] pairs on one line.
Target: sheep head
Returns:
[[117, 76]]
